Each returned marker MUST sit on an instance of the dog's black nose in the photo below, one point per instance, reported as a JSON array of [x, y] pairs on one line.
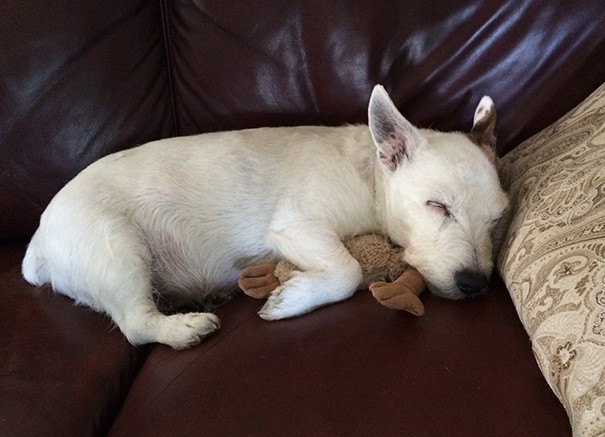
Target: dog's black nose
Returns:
[[470, 282]]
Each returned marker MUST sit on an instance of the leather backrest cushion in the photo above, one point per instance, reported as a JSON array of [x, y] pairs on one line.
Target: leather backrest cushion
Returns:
[[77, 80], [269, 62], [83, 79]]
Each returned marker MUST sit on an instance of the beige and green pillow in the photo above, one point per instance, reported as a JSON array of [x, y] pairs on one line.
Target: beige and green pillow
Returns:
[[553, 256]]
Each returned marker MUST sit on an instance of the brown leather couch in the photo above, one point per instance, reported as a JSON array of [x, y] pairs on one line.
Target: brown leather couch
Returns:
[[81, 79]]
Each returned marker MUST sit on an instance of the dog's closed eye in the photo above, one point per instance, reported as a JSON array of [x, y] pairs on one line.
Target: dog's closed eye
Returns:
[[439, 207]]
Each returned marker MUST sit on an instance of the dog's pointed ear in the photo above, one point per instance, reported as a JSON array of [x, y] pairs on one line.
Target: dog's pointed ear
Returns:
[[483, 132], [395, 137]]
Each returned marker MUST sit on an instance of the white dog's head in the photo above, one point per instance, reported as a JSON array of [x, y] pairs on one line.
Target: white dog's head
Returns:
[[442, 195]]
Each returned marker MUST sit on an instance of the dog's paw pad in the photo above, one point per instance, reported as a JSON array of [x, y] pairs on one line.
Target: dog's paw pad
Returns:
[[181, 331]]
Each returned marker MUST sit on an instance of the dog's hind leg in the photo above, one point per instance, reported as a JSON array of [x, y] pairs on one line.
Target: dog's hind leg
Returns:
[[133, 309], [112, 274], [145, 324], [141, 322], [330, 274]]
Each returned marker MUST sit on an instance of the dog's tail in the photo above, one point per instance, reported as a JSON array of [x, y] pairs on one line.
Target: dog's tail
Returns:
[[34, 266]]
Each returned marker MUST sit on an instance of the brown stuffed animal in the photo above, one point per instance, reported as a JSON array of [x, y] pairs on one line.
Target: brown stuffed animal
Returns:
[[391, 280]]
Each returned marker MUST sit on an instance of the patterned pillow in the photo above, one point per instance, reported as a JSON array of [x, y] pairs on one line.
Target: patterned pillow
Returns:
[[553, 256]]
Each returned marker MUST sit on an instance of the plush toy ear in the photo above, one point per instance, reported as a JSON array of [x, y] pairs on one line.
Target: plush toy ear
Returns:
[[483, 132], [395, 137]]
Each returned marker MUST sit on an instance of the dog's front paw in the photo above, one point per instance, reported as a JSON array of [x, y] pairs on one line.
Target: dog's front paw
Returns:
[[273, 308], [286, 301], [305, 292], [289, 300]]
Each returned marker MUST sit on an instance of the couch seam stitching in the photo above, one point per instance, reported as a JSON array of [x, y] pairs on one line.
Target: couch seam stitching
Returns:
[[169, 64]]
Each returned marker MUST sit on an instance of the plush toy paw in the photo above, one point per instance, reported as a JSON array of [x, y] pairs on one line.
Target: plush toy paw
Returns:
[[258, 281], [393, 295]]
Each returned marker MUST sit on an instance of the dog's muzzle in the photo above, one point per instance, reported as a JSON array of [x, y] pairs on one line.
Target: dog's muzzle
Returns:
[[471, 282]]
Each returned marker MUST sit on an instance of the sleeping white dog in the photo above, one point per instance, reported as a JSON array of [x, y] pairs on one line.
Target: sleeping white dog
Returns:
[[181, 217]]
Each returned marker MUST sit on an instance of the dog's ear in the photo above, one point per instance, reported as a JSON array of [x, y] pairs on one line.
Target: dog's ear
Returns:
[[483, 132], [395, 137]]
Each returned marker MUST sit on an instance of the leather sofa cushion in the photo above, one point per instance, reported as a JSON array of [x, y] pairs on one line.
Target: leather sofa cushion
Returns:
[[354, 368], [64, 370]]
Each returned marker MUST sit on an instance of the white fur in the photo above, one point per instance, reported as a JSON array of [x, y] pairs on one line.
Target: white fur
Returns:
[[186, 214]]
